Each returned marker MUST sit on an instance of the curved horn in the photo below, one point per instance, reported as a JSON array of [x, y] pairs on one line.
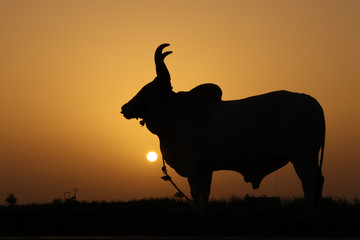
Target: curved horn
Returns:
[[161, 69]]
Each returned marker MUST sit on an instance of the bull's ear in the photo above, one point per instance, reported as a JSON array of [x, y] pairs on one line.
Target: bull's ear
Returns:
[[163, 75]]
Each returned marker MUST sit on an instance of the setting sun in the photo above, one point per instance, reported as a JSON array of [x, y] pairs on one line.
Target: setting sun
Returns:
[[151, 156]]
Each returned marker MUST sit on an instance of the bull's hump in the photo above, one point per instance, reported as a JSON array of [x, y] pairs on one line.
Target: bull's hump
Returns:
[[206, 92]]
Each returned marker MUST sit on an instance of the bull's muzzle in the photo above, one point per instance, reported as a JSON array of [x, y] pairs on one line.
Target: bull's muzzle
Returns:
[[125, 111]]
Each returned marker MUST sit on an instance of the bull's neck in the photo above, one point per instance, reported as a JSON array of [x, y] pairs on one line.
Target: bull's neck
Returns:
[[164, 117]]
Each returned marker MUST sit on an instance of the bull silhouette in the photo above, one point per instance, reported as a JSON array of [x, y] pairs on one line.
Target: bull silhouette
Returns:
[[199, 133]]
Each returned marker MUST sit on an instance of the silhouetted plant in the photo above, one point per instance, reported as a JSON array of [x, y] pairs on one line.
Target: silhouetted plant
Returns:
[[11, 199], [57, 201]]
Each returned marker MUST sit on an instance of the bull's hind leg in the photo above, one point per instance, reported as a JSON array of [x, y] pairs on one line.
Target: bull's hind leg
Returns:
[[312, 180], [200, 186]]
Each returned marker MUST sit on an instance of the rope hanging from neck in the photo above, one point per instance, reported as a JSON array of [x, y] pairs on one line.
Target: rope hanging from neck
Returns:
[[166, 177]]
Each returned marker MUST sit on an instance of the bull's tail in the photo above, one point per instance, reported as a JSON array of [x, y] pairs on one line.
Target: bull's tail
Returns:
[[322, 153], [320, 183], [322, 146]]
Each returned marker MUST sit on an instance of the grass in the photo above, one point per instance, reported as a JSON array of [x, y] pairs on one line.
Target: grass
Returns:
[[248, 216]]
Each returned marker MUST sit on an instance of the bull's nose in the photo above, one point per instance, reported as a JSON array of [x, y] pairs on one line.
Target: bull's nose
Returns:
[[122, 108]]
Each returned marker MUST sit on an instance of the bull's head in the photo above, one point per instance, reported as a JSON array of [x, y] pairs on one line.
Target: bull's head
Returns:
[[141, 106]]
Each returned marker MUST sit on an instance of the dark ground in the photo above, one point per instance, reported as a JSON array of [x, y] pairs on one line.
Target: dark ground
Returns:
[[245, 217]]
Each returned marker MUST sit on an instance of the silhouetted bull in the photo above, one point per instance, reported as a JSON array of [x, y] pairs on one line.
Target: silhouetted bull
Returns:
[[199, 133]]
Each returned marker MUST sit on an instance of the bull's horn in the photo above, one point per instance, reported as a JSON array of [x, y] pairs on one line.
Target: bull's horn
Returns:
[[161, 69]]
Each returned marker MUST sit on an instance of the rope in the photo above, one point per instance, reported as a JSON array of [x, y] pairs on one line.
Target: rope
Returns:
[[179, 194]]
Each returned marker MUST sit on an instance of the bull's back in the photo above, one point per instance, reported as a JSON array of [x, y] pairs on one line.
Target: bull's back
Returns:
[[279, 123]]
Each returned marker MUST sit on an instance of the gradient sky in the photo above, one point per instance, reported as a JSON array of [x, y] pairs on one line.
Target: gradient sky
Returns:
[[66, 68]]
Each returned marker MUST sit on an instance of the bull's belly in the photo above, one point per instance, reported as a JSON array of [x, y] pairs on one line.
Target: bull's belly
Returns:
[[253, 155], [254, 167]]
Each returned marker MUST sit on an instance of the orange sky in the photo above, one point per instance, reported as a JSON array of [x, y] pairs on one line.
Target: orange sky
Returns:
[[66, 68]]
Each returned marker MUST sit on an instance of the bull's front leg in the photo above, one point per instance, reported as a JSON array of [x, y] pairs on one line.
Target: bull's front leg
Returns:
[[200, 183]]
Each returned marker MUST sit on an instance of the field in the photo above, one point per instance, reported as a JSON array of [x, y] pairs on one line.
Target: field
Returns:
[[236, 217]]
